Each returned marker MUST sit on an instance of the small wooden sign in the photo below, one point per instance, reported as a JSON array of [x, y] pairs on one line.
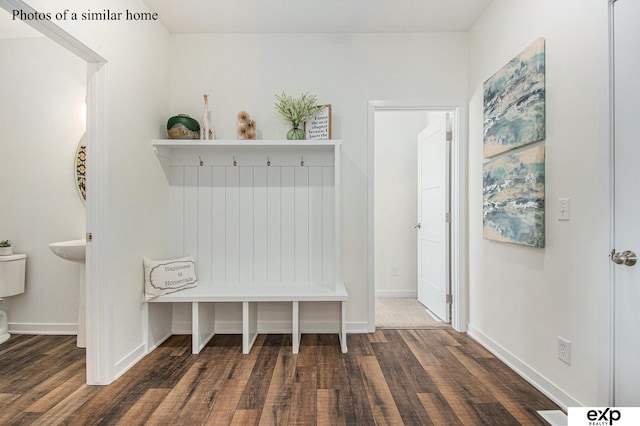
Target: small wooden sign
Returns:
[[318, 127]]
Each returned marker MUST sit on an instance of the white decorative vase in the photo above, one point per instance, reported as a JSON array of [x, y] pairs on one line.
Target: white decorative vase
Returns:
[[6, 251]]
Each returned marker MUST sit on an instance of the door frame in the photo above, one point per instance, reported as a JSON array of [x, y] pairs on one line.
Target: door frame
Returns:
[[458, 188], [98, 355]]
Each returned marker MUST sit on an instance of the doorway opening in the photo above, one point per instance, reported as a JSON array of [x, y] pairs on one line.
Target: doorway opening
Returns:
[[402, 217], [97, 325]]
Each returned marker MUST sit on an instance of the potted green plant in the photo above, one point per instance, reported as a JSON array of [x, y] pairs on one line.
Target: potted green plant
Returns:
[[5, 248], [296, 111]]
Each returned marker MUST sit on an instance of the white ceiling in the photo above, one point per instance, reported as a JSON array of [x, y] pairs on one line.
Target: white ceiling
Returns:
[[317, 16], [299, 16]]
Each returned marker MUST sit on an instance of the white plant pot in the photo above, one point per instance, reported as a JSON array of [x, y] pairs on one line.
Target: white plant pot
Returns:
[[6, 251]]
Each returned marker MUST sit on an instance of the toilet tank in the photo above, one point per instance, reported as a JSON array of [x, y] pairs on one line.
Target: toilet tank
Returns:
[[12, 269]]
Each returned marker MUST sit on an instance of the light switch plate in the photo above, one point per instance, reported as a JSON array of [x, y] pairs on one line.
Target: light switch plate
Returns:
[[564, 208]]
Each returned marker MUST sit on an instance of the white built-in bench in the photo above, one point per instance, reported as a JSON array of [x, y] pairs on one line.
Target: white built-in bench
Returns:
[[204, 297], [255, 214]]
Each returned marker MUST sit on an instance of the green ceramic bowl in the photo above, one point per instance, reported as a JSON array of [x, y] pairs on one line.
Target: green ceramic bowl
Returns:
[[182, 126]]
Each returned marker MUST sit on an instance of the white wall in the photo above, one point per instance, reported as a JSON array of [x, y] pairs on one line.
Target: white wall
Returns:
[[522, 299], [137, 81], [395, 201], [243, 72], [43, 92]]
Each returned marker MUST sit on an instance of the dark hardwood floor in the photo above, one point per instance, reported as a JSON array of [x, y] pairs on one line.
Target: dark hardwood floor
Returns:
[[411, 377]]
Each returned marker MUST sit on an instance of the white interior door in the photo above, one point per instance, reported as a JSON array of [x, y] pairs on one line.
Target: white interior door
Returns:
[[433, 222], [627, 202]]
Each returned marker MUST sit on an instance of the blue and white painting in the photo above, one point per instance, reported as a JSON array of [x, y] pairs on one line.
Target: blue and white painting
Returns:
[[514, 102], [513, 195]]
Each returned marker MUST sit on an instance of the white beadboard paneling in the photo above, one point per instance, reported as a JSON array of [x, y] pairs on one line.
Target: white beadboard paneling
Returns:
[[218, 219], [273, 224], [246, 224], [256, 223], [301, 217], [287, 223], [315, 224], [205, 239], [232, 232], [328, 227], [191, 211], [260, 212], [176, 215]]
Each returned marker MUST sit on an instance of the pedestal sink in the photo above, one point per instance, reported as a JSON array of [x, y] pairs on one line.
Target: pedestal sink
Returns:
[[75, 251]]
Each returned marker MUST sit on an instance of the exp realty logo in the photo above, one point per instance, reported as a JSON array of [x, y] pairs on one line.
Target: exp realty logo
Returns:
[[604, 416]]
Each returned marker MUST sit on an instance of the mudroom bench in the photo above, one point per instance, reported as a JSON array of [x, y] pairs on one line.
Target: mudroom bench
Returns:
[[204, 298], [262, 220]]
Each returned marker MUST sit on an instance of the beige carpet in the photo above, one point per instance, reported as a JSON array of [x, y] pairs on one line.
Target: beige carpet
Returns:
[[404, 313]]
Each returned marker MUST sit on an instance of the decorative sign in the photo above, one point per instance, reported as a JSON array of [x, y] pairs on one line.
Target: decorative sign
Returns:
[[318, 127]]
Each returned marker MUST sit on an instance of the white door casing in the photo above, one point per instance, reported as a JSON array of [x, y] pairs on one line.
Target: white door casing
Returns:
[[626, 141], [433, 218]]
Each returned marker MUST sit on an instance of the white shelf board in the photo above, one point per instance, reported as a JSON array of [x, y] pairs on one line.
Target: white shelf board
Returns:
[[251, 292], [197, 143]]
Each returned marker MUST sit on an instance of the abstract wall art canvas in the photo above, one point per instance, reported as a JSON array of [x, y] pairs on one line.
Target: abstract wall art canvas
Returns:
[[514, 110], [513, 195]]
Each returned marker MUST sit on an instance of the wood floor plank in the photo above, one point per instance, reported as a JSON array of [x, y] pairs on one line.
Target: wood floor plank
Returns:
[[255, 392], [15, 411], [63, 410], [415, 343], [304, 397], [438, 410], [329, 363], [329, 408], [168, 411], [381, 401], [496, 388], [353, 396], [60, 392], [245, 418], [398, 355], [144, 407], [8, 398], [197, 407], [388, 377], [404, 377], [156, 370], [377, 337], [278, 401], [227, 400]]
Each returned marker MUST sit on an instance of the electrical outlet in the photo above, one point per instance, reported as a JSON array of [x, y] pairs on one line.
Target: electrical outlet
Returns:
[[564, 208], [564, 350], [394, 271]]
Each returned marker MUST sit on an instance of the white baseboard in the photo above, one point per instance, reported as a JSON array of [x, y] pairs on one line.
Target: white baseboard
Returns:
[[357, 327], [153, 346], [181, 328], [397, 293], [544, 385], [129, 361], [62, 329]]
